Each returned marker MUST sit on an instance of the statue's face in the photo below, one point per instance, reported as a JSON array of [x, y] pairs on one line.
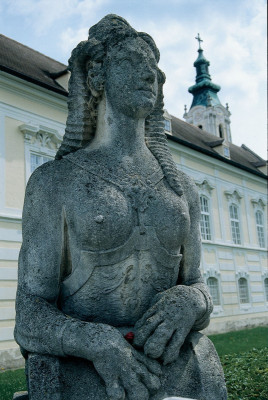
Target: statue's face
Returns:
[[131, 78]]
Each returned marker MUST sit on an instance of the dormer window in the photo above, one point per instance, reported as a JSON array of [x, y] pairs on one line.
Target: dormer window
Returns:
[[167, 125]]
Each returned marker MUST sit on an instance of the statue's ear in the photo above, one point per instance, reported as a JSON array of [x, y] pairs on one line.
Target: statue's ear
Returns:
[[95, 78]]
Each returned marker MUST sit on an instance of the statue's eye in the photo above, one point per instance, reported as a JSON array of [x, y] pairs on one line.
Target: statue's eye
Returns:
[[124, 61]]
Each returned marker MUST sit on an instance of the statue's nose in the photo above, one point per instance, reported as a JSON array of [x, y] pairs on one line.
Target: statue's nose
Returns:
[[149, 75]]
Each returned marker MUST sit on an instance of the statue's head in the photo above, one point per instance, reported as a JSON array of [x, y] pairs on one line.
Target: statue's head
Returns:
[[120, 63], [115, 59]]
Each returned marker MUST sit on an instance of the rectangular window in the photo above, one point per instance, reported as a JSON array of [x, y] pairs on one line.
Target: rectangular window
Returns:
[[37, 160], [235, 225], [205, 219], [213, 286], [243, 291], [260, 228]]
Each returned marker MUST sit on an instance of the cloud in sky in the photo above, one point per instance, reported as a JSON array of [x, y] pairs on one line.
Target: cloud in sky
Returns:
[[234, 34]]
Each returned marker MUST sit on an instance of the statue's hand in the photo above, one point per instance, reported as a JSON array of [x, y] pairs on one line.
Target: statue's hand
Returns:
[[125, 371], [163, 328]]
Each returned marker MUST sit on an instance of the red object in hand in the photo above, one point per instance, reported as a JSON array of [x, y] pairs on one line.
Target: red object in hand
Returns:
[[129, 337]]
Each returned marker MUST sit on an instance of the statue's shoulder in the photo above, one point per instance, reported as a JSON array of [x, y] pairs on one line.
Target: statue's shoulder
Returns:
[[49, 177], [188, 186]]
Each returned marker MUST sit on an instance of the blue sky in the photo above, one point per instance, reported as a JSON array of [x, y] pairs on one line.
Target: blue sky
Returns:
[[234, 34]]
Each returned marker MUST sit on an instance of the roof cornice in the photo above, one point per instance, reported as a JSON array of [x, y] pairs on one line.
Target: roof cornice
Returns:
[[215, 155], [33, 80]]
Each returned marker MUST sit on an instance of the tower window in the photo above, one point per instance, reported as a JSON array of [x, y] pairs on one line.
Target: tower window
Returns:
[[221, 131], [243, 291]]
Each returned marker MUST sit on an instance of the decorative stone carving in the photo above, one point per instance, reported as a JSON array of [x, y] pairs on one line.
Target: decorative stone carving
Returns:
[[41, 136], [211, 272], [242, 274], [258, 203], [110, 295], [204, 187], [233, 197]]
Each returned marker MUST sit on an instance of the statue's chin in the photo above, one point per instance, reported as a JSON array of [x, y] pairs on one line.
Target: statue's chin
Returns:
[[141, 109]]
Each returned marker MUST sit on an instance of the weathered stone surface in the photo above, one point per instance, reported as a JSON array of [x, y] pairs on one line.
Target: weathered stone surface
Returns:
[[110, 295]]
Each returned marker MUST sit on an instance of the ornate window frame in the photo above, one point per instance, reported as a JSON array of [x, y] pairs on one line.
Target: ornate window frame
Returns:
[[39, 140], [259, 206], [234, 198], [214, 273], [245, 275], [205, 190]]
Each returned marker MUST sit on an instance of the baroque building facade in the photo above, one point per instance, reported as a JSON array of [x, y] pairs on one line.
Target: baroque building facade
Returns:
[[231, 183]]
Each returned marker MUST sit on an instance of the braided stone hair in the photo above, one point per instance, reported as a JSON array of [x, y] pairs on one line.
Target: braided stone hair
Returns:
[[88, 66]]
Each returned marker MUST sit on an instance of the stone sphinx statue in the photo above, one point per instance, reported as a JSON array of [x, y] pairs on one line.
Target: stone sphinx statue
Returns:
[[110, 295]]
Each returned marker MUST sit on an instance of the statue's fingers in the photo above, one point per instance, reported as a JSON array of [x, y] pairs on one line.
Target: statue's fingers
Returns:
[[156, 298], [151, 381], [114, 390], [155, 345], [149, 313], [152, 365], [146, 329], [134, 387], [171, 352]]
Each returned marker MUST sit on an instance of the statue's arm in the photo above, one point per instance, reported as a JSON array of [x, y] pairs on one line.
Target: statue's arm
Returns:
[[190, 274], [42, 328], [175, 312]]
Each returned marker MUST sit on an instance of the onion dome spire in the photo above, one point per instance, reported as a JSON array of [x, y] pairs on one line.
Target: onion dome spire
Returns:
[[204, 90]]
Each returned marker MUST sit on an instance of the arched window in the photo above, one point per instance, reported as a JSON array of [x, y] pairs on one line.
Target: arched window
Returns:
[[205, 219], [260, 228], [243, 290], [221, 131], [235, 224], [213, 286], [266, 288]]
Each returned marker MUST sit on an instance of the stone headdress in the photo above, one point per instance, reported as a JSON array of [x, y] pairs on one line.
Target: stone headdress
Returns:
[[88, 67]]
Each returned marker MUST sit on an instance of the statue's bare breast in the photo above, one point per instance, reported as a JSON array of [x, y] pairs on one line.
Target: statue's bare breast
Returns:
[[124, 241]]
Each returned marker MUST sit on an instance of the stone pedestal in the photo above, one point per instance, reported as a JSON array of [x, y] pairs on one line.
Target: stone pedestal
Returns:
[[21, 396]]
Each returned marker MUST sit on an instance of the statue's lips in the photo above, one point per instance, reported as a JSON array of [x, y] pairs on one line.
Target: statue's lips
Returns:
[[150, 91]]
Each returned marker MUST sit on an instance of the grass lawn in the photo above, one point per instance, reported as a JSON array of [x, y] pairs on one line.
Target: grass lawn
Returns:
[[240, 341], [244, 356]]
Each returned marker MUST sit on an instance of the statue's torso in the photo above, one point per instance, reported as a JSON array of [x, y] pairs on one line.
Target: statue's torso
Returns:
[[124, 239]]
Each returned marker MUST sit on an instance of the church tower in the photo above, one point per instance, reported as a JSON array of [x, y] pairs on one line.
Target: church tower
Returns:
[[206, 111]]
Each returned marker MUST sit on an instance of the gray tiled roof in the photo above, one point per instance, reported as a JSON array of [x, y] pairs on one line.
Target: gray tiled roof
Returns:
[[28, 64], [200, 140]]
